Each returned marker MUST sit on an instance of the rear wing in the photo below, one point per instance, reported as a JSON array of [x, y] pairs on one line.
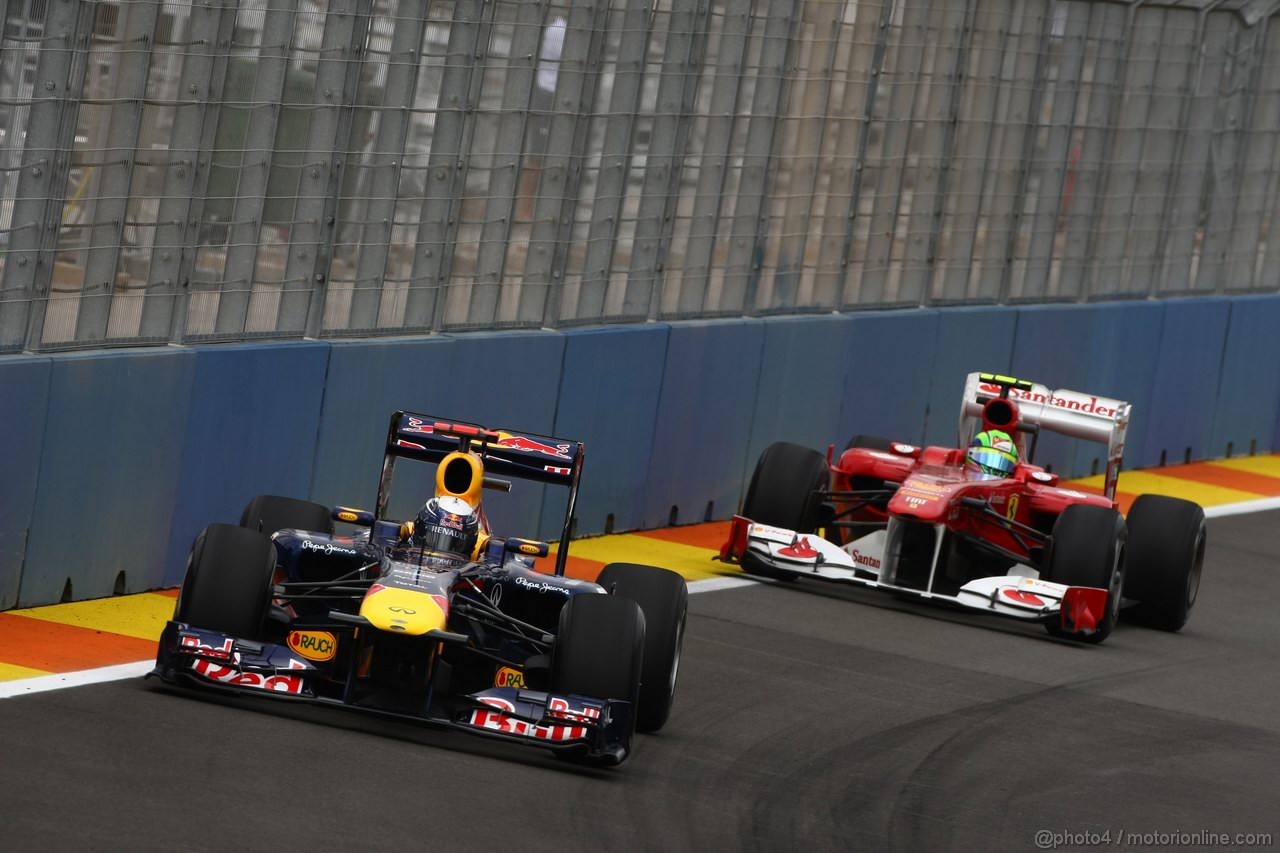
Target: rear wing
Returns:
[[504, 453], [1070, 413]]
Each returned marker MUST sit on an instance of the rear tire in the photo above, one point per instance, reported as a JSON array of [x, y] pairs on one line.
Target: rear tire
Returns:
[[599, 652], [663, 597], [1164, 561], [1088, 549], [228, 581], [271, 513], [779, 491]]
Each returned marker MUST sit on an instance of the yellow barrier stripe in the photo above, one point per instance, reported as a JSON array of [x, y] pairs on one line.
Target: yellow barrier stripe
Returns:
[[139, 616], [1267, 466], [1147, 483], [694, 563], [13, 672]]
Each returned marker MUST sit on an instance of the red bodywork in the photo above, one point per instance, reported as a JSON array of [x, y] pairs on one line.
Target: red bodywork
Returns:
[[934, 483]]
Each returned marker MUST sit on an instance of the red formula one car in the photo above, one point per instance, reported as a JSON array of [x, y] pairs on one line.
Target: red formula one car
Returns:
[[930, 523]]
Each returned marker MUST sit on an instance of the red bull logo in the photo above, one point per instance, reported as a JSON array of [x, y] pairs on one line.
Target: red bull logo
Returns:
[[418, 425], [527, 445]]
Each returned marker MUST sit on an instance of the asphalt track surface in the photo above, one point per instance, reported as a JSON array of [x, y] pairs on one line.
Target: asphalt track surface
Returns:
[[809, 717]]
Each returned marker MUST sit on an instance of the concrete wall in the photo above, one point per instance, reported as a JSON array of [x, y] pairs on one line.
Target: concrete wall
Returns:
[[111, 462]]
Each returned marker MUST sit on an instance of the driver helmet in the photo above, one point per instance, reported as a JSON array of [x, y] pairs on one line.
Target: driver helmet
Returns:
[[446, 525], [992, 453]]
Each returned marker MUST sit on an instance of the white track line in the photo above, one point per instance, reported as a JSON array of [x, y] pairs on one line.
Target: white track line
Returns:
[[1260, 505], [43, 683], [57, 681]]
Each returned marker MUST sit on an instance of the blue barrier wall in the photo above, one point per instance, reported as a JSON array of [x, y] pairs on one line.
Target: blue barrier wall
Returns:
[[1249, 389], [24, 392], [969, 339], [1179, 422], [109, 470], [609, 399], [1053, 341], [250, 430], [1120, 366], [514, 383], [799, 394], [367, 381], [699, 439], [111, 461], [888, 363]]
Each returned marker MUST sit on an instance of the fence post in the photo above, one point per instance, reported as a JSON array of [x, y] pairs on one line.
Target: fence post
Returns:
[[42, 183], [849, 249], [116, 161], [240, 270], [553, 217], [615, 162], [686, 33], [424, 305], [341, 59], [204, 71]]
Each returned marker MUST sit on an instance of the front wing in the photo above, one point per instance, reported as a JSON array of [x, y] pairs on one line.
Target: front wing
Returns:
[[597, 729], [775, 551]]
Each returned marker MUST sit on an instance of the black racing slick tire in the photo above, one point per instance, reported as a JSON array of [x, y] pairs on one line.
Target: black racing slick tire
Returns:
[[227, 586], [270, 513], [1164, 560], [1088, 549], [599, 652], [785, 476], [663, 597]]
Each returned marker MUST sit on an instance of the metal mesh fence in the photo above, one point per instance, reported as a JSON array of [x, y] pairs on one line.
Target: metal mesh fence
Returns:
[[225, 170]]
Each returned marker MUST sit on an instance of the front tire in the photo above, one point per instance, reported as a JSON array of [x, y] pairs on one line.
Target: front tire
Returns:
[[271, 513], [1165, 560], [228, 582], [663, 596], [786, 475], [1088, 549], [599, 652]]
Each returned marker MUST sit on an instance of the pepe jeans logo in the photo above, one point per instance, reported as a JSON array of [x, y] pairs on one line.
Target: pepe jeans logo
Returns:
[[326, 548], [539, 586]]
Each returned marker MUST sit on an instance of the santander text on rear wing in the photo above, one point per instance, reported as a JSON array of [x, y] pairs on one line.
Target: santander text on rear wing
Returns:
[[1071, 413]]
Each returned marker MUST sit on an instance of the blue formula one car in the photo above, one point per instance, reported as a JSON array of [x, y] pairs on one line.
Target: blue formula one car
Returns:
[[434, 619]]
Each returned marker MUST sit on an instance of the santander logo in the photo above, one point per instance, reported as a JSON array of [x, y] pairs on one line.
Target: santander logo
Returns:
[[1062, 400], [864, 560]]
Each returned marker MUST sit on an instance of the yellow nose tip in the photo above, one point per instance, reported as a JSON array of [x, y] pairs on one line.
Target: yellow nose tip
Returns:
[[403, 611]]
